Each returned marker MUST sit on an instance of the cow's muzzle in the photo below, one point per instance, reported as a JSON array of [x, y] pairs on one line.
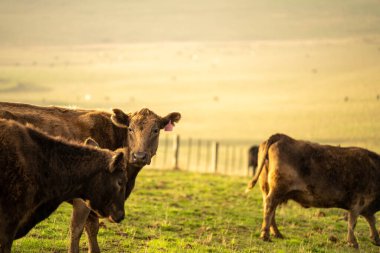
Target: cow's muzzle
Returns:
[[140, 158], [117, 218]]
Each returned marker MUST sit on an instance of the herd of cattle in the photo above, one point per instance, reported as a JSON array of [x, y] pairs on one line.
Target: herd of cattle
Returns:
[[91, 159]]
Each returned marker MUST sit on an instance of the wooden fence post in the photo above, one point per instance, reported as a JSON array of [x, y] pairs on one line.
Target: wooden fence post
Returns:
[[199, 147], [208, 158], [226, 159], [233, 160], [240, 159], [249, 173], [214, 156], [176, 152], [189, 154]]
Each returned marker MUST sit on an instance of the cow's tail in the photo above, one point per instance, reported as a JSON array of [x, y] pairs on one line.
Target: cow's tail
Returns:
[[262, 156]]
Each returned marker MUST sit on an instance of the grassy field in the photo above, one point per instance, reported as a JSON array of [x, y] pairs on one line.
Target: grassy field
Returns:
[[238, 71], [174, 211]]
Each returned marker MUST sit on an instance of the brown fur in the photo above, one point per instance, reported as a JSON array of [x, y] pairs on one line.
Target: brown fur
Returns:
[[138, 131], [72, 124], [318, 176], [252, 158], [38, 172]]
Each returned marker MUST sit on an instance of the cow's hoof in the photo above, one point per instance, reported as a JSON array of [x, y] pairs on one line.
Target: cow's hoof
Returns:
[[278, 235], [353, 245], [376, 242], [265, 237]]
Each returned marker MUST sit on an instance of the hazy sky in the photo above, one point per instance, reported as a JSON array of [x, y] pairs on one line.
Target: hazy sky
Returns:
[[52, 22]]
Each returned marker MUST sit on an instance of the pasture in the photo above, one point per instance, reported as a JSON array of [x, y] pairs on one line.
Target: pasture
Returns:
[[236, 92], [237, 72], [176, 211]]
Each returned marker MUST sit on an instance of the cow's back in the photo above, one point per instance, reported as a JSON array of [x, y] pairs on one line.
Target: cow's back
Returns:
[[73, 124]]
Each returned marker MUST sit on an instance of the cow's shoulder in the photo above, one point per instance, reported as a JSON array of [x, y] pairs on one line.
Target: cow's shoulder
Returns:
[[99, 126], [96, 118]]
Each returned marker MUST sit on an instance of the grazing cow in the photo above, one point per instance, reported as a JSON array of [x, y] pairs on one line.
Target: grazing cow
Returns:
[[252, 158], [38, 172], [138, 131], [318, 176]]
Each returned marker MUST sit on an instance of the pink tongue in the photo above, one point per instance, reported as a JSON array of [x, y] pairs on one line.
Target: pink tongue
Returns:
[[169, 126]]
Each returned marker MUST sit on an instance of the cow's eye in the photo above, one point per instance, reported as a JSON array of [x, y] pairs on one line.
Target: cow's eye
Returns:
[[130, 129], [155, 130]]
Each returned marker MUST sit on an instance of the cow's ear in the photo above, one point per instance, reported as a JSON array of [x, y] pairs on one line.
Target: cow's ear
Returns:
[[173, 117], [116, 161], [119, 118], [91, 142]]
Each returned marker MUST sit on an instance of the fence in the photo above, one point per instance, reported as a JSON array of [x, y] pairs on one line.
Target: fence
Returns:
[[203, 156]]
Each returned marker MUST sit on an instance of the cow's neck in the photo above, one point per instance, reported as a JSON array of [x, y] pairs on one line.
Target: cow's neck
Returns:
[[133, 171], [113, 139], [120, 137]]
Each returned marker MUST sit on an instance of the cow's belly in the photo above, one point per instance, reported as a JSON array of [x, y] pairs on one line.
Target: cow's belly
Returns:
[[308, 199]]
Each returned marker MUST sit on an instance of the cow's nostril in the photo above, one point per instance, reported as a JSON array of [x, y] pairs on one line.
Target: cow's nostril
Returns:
[[139, 155]]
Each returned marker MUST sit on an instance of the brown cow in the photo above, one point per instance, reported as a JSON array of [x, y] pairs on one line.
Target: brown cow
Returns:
[[318, 176], [138, 131], [252, 158], [38, 172]]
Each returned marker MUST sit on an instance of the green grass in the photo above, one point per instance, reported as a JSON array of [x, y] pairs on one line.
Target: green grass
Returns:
[[176, 211]]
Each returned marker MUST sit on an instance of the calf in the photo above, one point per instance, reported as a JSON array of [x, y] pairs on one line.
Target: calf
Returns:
[[138, 131], [39, 172], [318, 176]]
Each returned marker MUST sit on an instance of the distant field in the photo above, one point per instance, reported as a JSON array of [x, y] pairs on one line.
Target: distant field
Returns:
[[186, 212], [327, 91]]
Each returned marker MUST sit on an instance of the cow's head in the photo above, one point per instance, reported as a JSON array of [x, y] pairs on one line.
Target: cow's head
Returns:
[[143, 132], [107, 189]]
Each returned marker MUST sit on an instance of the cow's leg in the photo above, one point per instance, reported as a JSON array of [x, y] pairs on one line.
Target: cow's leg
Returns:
[[78, 220], [352, 218], [7, 233], [6, 244], [374, 234], [270, 205], [274, 229], [92, 229]]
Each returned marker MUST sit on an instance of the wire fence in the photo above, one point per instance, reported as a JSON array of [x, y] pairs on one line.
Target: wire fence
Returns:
[[203, 156]]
